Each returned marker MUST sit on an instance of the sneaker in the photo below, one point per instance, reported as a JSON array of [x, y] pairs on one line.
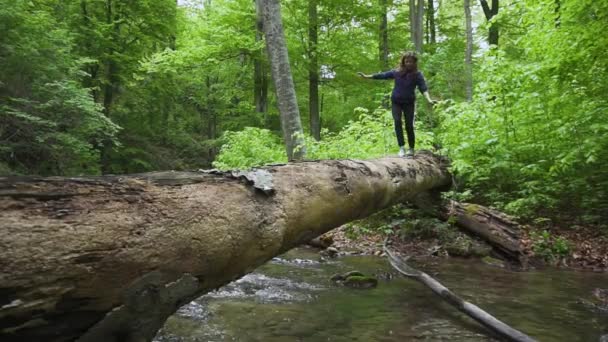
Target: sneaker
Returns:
[[401, 151], [410, 152]]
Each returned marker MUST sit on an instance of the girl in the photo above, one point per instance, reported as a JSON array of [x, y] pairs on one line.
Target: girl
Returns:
[[403, 98]]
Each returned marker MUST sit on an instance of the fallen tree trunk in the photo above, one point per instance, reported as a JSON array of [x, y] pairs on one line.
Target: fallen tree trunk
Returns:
[[496, 326], [500, 230], [110, 258]]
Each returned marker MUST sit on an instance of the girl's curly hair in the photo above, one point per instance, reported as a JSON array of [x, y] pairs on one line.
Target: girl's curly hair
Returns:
[[401, 67]]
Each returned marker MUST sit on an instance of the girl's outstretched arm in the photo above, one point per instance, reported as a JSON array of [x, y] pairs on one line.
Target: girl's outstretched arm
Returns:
[[428, 98], [379, 76]]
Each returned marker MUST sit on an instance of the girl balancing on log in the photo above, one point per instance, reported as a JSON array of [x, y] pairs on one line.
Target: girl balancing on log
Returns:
[[403, 98]]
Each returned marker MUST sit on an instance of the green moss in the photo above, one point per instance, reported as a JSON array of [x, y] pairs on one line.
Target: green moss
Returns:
[[361, 282], [493, 261], [471, 209]]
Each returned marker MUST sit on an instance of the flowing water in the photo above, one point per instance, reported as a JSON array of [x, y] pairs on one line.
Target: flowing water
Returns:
[[292, 299]]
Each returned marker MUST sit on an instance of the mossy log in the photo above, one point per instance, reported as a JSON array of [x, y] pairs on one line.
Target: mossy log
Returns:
[[110, 258], [500, 230]]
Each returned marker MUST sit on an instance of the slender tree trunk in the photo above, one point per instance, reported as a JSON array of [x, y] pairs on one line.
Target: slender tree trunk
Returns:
[[93, 68], [413, 30], [260, 88], [416, 23], [489, 13], [383, 36], [468, 57], [558, 14], [431, 16], [420, 25], [112, 81], [313, 71], [283, 82]]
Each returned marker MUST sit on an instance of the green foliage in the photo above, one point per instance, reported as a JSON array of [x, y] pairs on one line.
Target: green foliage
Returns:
[[548, 247], [370, 136], [248, 148], [534, 137], [49, 123]]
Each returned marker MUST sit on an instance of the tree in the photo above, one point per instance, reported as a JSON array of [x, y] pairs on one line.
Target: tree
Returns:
[[383, 35], [431, 27], [468, 58], [313, 71], [260, 74], [293, 134], [142, 246], [490, 12], [416, 23]]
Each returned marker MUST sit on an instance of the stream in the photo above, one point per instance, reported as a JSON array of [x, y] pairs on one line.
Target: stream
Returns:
[[291, 298]]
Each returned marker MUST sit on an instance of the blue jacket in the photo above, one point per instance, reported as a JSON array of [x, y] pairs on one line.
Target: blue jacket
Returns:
[[405, 85]]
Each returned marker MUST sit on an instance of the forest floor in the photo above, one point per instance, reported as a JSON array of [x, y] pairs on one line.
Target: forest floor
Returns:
[[579, 247]]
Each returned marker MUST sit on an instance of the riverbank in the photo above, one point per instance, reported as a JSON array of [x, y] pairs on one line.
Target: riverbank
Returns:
[[579, 247]]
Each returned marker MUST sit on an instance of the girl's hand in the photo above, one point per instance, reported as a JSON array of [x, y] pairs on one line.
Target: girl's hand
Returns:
[[362, 74]]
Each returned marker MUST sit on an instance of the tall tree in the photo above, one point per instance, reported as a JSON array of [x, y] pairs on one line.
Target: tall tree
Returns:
[[291, 125], [431, 27], [416, 23], [468, 63], [313, 71], [490, 12], [383, 35], [260, 88]]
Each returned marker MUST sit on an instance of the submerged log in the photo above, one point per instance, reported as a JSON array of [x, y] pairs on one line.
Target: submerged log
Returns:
[[496, 326], [110, 258]]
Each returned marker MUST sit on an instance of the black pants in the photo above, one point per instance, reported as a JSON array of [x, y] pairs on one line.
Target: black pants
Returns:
[[408, 110]]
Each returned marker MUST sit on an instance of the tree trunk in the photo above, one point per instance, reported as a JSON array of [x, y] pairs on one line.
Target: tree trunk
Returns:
[[501, 231], [416, 23], [111, 84], [419, 25], [498, 229], [413, 29], [558, 14], [110, 258], [313, 72], [260, 79], [431, 16], [489, 14], [468, 57], [291, 125], [383, 36]]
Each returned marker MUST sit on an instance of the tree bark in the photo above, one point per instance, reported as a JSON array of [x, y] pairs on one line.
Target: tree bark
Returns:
[[489, 13], [498, 229], [260, 79], [468, 57], [383, 36], [413, 29], [110, 258], [291, 125], [313, 71], [432, 30], [416, 23], [419, 26], [558, 14], [499, 328]]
